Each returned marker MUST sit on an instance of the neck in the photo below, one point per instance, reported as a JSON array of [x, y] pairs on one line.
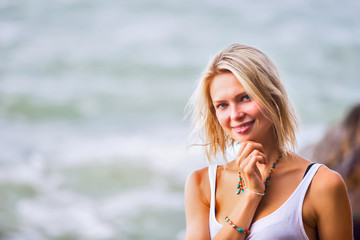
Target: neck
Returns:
[[272, 154]]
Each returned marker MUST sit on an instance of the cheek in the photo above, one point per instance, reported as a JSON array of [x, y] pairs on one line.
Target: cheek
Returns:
[[222, 119], [255, 110], [263, 119], [252, 109]]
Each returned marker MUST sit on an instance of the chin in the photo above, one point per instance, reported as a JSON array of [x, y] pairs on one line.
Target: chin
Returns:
[[240, 140]]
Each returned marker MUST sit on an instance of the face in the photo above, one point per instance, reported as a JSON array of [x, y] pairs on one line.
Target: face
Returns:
[[237, 113]]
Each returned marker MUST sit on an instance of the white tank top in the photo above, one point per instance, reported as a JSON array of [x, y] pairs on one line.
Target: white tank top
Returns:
[[284, 223]]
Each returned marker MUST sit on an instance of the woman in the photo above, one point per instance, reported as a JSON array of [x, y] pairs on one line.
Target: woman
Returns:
[[264, 192]]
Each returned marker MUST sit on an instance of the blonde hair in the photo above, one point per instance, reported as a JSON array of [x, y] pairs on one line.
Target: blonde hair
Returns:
[[260, 79]]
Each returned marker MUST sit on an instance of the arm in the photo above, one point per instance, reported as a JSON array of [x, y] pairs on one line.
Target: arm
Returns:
[[241, 215], [197, 210], [332, 206], [197, 199], [197, 206]]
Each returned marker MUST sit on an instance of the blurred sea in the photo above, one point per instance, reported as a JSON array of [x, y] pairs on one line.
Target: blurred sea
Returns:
[[92, 97]]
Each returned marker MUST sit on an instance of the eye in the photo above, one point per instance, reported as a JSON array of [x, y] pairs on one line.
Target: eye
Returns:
[[221, 105], [245, 98]]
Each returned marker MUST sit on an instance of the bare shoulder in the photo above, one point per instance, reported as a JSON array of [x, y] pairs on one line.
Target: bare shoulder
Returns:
[[327, 181], [198, 185], [199, 178], [329, 201], [327, 191], [198, 175], [197, 204], [327, 186]]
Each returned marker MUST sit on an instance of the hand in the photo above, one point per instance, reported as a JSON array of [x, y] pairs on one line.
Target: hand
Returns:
[[249, 155]]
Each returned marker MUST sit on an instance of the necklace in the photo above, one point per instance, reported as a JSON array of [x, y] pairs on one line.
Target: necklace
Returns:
[[241, 185]]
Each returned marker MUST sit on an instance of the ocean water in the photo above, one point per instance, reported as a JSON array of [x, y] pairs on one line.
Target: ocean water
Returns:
[[92, 96]]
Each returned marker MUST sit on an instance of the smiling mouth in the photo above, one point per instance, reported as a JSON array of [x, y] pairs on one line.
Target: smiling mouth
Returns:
[[243, 128]]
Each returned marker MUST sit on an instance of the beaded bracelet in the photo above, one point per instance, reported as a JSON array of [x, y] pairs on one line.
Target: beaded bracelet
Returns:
[[237, 228], [257, 193]]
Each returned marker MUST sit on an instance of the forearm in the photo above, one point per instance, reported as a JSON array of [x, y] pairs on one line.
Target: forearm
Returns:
[[241, 215]]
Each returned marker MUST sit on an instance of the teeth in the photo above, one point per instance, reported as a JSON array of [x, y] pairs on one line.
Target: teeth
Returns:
[[245, 125]]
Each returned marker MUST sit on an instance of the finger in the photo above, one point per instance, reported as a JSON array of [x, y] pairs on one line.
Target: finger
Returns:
[[241, 149], [241, 155], [259, 150], [244, 150], [250, 145], [254, 145], [257, 153], [245, 162], [252, 160], [252, 163], [253, 175], [251, 148]]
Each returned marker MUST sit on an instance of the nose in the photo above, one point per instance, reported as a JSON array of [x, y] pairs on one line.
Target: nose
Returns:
[[236, 113]]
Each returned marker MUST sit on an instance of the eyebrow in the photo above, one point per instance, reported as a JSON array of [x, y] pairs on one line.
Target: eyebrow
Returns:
[[236, 97]]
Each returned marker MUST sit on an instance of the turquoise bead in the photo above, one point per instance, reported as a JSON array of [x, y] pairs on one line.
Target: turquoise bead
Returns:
[[242, 191], [238, 191]]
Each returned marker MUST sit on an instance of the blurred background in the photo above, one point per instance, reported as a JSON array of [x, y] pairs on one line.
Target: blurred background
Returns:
[[92, 96]]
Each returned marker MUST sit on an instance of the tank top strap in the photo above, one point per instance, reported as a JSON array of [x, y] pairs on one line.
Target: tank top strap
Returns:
[[305, 183], [212, 179], [214, 226], [308, 178]]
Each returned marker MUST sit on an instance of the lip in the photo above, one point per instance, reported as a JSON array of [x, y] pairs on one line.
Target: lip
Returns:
[[244, 127]]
